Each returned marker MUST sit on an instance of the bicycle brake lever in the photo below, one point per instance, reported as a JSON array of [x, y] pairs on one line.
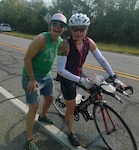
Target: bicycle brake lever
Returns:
[[129, 88], [116, 97], [125, 93]]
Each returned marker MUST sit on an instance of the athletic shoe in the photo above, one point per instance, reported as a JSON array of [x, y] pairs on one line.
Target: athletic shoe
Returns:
[[45, 119], [30, 145], [73, 140]]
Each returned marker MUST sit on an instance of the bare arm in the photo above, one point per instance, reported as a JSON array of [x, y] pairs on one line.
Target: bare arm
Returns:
[[36, 45]]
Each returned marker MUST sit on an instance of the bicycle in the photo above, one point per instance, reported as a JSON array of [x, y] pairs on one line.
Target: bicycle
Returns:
[[112, 129]]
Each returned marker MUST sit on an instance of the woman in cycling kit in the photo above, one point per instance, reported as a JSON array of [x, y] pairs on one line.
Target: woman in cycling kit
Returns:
[[70, 63]]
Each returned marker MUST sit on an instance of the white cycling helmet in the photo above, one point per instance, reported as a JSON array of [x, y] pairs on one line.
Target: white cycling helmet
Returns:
[[79, 19], [59, 17]]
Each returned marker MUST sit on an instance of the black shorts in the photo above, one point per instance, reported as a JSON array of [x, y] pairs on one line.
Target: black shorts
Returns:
[[68, 89]]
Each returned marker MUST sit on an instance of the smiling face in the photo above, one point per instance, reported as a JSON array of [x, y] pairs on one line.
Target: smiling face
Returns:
[[57, 27], [78, 32]]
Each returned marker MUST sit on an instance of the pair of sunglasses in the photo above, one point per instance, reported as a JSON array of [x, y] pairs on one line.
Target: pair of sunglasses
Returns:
[[76, 29], [58, 24]]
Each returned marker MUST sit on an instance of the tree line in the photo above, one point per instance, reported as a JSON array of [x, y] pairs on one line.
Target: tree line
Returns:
[[112, 21]]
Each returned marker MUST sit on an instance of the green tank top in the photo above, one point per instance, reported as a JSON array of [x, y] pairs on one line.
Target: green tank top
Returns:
[[43, 62]]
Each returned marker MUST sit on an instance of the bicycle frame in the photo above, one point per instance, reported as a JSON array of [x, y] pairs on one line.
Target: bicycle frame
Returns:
[[103, 115], [107, 120], [96, 97], [105, 123]]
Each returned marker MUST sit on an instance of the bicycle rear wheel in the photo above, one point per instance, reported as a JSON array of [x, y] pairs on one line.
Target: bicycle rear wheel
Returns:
[[112, 128], [59, 102]]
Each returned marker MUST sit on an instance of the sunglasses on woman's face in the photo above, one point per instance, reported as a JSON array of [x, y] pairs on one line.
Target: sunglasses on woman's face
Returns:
[[58, 24], [80, 29]]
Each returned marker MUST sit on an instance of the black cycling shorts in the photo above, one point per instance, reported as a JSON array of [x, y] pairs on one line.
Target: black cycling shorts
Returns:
[[68, 89]]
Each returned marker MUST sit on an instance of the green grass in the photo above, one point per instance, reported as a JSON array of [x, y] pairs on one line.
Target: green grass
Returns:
[[102, 46], [22, 35], [119, 48]]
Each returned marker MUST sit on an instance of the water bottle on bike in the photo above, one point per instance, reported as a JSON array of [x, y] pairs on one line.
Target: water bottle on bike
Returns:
[[97, 79], [79, 99]]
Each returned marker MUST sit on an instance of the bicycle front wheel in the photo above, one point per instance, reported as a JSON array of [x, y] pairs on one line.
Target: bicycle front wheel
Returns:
[[112, 128]]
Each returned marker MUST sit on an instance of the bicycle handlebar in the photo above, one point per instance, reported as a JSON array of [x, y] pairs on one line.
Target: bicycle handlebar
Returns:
[[123, 91], [110, 92], [98, 87]]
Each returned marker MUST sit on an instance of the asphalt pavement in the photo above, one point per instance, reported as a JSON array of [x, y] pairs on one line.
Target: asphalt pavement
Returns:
[[13, 112], [13, 133]]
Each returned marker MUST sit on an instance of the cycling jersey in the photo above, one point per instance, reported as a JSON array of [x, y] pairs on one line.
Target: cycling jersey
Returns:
[[76, 59]]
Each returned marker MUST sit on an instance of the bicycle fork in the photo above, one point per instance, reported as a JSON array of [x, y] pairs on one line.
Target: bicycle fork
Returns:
[[106, 117]]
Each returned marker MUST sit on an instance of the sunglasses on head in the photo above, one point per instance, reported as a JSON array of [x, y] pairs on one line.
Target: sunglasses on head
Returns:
[[76, 29], [58, 24]]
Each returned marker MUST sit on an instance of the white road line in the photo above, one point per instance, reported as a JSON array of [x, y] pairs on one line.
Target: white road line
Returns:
[[51, 129]]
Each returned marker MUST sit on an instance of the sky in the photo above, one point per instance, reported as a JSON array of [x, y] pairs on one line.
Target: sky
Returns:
[[47, 1]]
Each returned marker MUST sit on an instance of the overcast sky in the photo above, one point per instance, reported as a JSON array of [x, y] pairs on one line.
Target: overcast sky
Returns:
[[47, 1]]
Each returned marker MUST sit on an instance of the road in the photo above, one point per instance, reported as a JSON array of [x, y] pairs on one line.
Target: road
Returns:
[[12, 51]]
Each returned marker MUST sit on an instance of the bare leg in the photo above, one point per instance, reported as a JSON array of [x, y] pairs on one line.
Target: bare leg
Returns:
[[69, 116], [46, 104], [31, 119]]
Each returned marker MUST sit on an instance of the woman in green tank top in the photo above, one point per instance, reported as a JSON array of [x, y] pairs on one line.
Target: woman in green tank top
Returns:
[[38, 62]]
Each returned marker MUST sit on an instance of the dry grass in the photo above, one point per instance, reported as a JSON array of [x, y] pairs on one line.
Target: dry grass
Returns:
[[102, 46]]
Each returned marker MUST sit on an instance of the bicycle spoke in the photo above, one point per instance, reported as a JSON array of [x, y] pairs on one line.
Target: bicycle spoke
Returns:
[[113, 129], [59, 104]]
